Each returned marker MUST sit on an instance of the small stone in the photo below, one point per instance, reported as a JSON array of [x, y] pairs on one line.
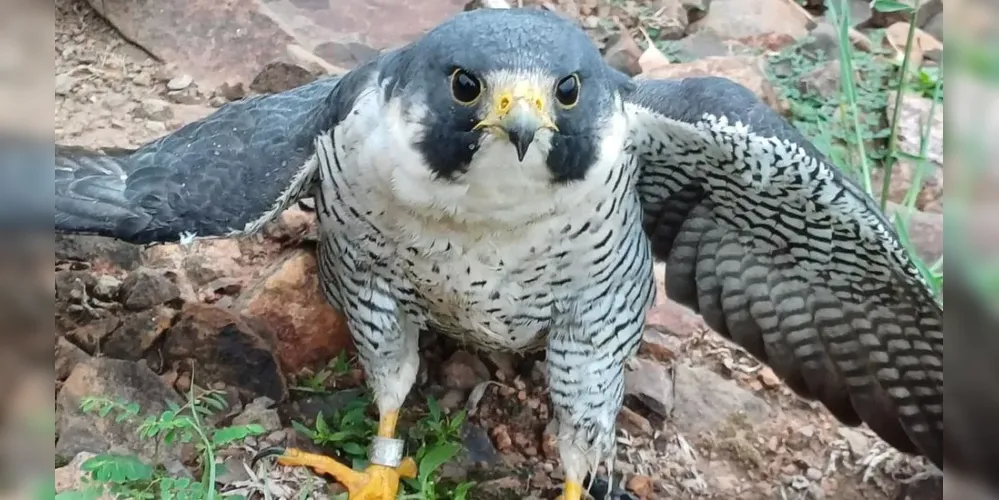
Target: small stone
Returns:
[[258, 412], [633, 423], [143, 79], [155, 109], [769, 378], [64, 84], [146, 288], [232, 91], [658, 345], [641, 485], [225, 347], [137, 333], [106, 287], [807, 431], [501, 438], [67, 356], [155, 127], [813, 474], [464, 370], [180, 82]]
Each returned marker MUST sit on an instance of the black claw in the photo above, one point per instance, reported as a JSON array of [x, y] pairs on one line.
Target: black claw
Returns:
[[264, 453]]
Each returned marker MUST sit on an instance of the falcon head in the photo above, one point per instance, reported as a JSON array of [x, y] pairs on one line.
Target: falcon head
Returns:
[[514, 91]]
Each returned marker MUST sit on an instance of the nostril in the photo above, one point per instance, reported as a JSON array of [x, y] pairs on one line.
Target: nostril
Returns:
[[504, 103]]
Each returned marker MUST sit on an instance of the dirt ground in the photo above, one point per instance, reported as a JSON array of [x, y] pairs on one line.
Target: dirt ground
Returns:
[[111, 93]]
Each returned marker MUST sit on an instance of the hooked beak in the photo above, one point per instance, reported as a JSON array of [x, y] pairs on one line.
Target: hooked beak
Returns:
[[517, 114]]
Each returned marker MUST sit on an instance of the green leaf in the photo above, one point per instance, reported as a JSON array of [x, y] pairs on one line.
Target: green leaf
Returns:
[[77, 495], [890, 6], [226, 435], [436, 457], [353, 449], [108, 468]]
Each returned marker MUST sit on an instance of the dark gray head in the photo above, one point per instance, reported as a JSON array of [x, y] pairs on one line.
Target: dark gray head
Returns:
[[526, 78]]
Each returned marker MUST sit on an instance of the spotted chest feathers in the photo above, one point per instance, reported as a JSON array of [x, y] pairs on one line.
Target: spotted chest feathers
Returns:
[[495, 271]]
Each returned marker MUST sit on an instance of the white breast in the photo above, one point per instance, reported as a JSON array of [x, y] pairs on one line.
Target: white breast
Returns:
[[487, 255]]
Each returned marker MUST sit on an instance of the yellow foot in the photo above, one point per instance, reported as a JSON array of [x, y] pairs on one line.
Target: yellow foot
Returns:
[[571, 491], [377, 482]]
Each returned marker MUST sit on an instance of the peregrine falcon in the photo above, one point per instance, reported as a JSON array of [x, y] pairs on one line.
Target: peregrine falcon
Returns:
[[496, 180]]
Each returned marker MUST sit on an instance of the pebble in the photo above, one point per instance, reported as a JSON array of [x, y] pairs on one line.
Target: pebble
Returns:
[[501, 437], [180, 82], [640, 485]]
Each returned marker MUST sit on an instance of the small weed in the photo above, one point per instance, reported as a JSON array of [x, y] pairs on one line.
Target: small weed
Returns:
[[348, 431], [125, 476], [317, 383]]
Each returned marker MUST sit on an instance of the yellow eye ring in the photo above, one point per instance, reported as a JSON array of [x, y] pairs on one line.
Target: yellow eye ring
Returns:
[[567, 91], [465, 87]]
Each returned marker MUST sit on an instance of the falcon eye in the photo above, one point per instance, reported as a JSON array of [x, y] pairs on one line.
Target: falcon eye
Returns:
[[567, 91], [465, 88]]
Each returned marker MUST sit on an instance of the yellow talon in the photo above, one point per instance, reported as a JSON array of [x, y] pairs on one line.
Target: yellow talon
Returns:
[[377, 482], [571, 491]]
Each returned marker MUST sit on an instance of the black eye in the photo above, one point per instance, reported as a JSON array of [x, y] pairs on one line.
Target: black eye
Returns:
[[465, 88], [567, 91]]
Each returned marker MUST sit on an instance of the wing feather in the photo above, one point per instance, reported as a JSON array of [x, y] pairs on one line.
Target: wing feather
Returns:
[[224, 175], [781, 253]]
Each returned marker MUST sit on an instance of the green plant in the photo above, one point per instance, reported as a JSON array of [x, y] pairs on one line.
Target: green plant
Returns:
[[348, 430], [316, 383], [438, 440], [847, 126], [126, 476]]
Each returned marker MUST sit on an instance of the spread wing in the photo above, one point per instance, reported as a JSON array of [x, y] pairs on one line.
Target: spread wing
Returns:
[[226, 174], [781, 253]]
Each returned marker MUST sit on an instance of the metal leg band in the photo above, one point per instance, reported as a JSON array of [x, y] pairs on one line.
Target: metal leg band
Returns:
[[385, 451]]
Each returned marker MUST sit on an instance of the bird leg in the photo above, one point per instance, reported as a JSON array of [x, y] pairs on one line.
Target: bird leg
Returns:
[[587, 393], [388, 353]]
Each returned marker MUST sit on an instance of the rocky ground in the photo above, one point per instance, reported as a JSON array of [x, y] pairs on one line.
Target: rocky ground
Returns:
[[702, 419]]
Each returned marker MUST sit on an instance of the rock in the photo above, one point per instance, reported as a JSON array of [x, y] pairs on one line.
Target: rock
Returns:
[[67, 356], [259, 412], [667, 316], [934, 26], [136, 333], [106, 287], [120, 381], [155, 109], [232, 44], [622, 53], [288, 299], [859, 444], [64, 83], [925, 231], [658, 345], [279, 76], [501, 437], [876, 19], [463, 370], [477, 447], [633, 423], [696, 9], [930, 197], [705, 44], [733, 19], [225, 347], [90, 337], [641, 485], [823, 81], [146, 288], [180, 82], [702, 398], [749, 71], [822, 42], [499, 489], [71, 477], [294, 224], [912, 120], [671, 20]]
